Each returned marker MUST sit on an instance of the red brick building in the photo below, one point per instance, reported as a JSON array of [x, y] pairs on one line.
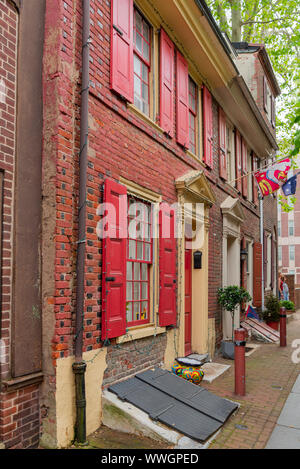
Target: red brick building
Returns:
[[289, 241], [152, 104]]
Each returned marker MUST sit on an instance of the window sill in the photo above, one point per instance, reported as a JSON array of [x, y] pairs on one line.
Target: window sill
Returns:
[[140, 333], [144, 117], [13, 384], [195, 157]]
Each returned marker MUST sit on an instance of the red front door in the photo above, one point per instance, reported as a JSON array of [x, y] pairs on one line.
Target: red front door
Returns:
[[188, 303]]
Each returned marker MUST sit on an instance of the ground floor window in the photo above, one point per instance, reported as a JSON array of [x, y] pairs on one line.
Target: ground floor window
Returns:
[[139, 262]]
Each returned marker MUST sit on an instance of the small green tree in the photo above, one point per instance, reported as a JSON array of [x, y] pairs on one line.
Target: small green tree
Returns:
[[272, 310], [232, 296]]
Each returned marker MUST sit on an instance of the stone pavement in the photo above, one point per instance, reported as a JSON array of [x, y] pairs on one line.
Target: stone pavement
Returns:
[[270, 377], [286, 434]]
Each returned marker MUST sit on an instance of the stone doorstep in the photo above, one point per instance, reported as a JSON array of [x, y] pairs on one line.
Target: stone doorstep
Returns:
[[213, 370], [122, 416], [253, 347]]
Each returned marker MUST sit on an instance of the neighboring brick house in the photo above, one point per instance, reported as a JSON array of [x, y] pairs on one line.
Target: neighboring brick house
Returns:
[[21, 45], [254, 64], [289, 239], [171, 120]]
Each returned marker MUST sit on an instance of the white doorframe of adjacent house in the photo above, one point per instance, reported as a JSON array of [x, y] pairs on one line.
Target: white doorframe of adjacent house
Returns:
[[233, 216]]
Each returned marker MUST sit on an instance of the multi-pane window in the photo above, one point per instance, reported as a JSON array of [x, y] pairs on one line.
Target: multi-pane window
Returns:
[[141, 61], [292, 253], [279, 254], [192, 115], [291, 227], [230, 155], [249, 177], [139, 260]]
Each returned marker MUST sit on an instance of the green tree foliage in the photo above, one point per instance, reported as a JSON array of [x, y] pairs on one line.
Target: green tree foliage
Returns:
[[274, 23]]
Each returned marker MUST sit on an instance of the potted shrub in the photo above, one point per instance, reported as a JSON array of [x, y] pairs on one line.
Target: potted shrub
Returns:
[[288, 305], [230, 298], [271, 314]]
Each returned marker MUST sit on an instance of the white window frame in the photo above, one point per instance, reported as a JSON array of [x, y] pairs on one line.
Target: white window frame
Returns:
[[230, 154]]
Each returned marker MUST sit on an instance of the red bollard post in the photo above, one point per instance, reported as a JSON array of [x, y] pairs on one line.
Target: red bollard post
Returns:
[[239, 361], [282, 326]]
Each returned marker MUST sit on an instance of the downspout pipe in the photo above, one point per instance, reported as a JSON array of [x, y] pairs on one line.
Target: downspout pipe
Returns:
[[261, 210], [79, 366]]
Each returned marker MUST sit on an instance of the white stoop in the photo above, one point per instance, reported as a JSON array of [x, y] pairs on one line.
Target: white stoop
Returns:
[[122, 416]]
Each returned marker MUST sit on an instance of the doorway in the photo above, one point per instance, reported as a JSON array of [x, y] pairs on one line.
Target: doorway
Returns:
[[188, 303]]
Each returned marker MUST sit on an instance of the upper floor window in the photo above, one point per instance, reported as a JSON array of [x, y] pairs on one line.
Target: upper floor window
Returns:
[[279, 228], [141, 61], [192, 115], [230, 154], [249, 176], [280, 254], [292, 253], [291, 227]]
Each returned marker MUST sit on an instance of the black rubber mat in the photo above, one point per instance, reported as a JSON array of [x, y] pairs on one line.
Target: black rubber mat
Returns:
[[183, 406], [193, 395]]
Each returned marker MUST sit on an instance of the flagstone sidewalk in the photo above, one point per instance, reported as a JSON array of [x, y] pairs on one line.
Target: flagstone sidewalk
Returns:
[[270, 376]]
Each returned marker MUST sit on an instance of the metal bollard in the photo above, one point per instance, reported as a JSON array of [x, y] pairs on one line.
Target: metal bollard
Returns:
[[282, 327], [239, 361]]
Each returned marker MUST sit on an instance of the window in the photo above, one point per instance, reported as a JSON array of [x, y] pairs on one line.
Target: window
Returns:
[[249, 177], [230, 155], [292, 253], [139, 260], [291, 227], [280, 254], [192, 115], [141, 62], [279, 228]]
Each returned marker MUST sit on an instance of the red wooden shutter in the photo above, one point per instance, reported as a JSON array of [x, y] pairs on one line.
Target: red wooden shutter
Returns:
[[207, 128], [114, 262], [265, 93], [257, 271], [254, 183], [244, 168], [167, 266], [121, 64], [265, 255], [182, 100], [238, 160], [222, 144], [166, 83]]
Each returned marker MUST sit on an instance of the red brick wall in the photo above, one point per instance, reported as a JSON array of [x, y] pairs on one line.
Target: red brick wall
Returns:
[[120, 144], [20, 418], [254, 79]]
